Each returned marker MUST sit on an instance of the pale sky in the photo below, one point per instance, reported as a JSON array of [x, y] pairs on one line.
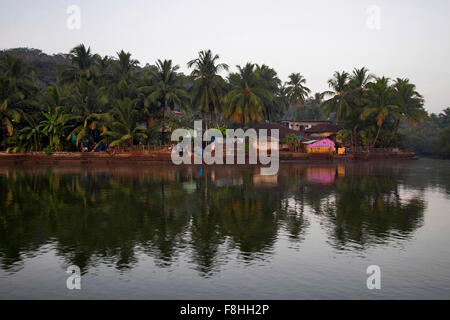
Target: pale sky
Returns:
[[314, 38]]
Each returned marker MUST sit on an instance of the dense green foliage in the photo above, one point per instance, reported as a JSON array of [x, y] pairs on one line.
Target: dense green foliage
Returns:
[[83, 101], [431, 137], [371, 108]]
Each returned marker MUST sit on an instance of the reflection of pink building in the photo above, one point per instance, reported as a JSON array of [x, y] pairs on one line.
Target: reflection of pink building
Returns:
[[321, 175]]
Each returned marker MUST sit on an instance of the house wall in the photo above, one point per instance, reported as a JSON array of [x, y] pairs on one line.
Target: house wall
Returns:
[[301, 125], [269, 145], [324, 143], [322, 146]]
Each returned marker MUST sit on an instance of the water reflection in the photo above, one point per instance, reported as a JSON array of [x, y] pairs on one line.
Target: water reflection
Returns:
[[117, 214]]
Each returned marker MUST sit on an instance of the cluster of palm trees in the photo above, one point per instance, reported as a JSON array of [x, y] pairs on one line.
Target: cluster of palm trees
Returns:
[[371, 108], [112, 101]]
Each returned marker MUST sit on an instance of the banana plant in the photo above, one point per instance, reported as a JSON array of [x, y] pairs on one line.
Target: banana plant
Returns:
[[53, 127]]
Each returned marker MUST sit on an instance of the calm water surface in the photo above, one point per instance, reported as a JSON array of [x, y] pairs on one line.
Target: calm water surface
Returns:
[[160, 232]]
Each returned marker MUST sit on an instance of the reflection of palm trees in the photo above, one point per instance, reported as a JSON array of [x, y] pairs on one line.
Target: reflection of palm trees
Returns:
[[292, 211], [238, 215], [369, 210], [114, 215], [247, 218]]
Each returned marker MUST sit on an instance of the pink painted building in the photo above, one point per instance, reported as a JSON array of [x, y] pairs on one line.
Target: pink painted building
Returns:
[[320, 146]]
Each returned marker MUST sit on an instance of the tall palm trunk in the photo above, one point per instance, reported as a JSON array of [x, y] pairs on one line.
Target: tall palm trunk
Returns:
[[397, 122], [378, 133], [35, 143], [164, 119]]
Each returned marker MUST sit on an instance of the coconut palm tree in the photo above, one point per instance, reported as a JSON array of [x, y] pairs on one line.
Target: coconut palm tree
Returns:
[[83, 65], [360, 78], [17, 93], [281, 102], [7, 117], [382, 102], [16, 84], [313, 106], [410, 103], [18, 76], [125, 65], [208, 84], [167, 90], [338, 103], [32, 132], [123, 76], [444, 118], [85, 110], [106, 69], [244, 102], [356, 98], [270, 81], [123, 124], [58, 96], [29, 136], [297, 91]]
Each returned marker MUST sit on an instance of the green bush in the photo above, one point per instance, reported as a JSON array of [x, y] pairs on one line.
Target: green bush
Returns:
[[48, 150]]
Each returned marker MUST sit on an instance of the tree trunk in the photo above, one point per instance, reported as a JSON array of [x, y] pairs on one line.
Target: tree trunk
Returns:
[[397, 122], [35, 143], [164, 119], [352, 142], [376, 138]]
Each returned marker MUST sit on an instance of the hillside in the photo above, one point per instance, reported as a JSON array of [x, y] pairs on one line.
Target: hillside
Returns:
[[44, 65]]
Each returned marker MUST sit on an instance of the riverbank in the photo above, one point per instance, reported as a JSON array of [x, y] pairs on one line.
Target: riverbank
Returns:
[[72, 158]]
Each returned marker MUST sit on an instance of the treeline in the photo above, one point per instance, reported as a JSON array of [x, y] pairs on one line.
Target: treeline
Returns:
[[431, 137], [113, 101], [378, 112], [84, 101]]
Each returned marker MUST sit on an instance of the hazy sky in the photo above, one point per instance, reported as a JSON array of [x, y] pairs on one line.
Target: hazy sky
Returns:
[[315, 38]]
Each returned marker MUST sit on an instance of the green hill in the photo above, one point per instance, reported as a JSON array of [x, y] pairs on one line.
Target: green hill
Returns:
[[44, 65]]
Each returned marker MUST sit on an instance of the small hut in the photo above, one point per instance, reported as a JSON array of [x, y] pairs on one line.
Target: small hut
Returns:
[[320, 146]]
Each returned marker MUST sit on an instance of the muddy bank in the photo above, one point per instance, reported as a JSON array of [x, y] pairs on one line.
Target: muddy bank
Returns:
[[75, 158]]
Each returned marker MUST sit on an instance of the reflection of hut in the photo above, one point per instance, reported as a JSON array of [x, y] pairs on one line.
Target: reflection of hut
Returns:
[[232, 181], [265, 180], [320, 146], [321, 175]]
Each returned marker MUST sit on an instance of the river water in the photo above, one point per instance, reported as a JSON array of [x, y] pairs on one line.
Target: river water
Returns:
[[168, 232]]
